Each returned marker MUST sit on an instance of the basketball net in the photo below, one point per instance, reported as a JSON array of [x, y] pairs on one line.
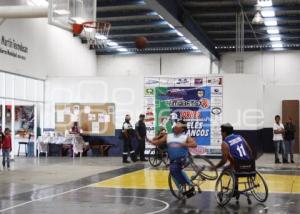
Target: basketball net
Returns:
[[96, 34]]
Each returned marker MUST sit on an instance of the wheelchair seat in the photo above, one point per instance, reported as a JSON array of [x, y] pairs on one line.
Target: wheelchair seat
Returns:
[[245, 168]]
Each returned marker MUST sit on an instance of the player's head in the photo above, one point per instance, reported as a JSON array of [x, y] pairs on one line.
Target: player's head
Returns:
[[179, 127], [226, 129], [127, 118], [277, 118], [142, 117], [75, 124], [7, 131]]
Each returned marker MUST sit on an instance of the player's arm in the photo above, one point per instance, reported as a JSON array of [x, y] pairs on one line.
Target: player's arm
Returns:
[[249, 148], [190, 143], [279, 130], [225, 156], [159, 141]]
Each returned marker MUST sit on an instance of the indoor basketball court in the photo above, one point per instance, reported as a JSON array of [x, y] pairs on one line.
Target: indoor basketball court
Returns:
[[149, 106]]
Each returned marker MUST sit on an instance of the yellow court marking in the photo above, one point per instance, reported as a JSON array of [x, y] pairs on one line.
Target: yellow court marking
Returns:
[[158, 179]]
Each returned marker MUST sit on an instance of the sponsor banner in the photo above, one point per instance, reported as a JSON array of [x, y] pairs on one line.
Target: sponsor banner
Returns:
[[185, 103], [196, 100], [216, 91], [151, 82], [182, 82], [214, 81], [149, 92], [198, 82]]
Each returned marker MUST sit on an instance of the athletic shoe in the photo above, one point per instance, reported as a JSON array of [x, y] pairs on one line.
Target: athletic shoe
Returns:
[[292, 161], [190, 193], [277, 161], [126, 161]]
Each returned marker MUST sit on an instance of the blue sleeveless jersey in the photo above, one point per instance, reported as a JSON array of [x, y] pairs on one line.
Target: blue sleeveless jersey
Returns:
[[237, 147]]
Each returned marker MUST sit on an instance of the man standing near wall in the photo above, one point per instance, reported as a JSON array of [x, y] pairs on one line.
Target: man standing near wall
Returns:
[[141, 135], [278, 131], [290, 130], [127, 133]]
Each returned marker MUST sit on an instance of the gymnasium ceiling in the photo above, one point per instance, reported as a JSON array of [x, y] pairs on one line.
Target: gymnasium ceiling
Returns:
[[209, 26]]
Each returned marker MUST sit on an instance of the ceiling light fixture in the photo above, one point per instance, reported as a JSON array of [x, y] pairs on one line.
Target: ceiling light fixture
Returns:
[[275, 38], [270, 22], [264, 3], [268, 13], [188, 41], [273, 31], [194, 47], [171, 26], [178, 33]]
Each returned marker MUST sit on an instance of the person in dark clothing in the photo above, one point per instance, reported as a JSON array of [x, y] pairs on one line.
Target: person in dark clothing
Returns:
[[127, 133], [75, 129], [6, 148], [141, 135], [290, 130]]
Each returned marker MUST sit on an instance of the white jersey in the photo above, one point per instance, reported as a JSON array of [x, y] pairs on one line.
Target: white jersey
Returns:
[[175, 150]]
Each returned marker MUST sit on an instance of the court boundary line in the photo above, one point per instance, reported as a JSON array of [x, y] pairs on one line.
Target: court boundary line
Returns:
[[167, 205]]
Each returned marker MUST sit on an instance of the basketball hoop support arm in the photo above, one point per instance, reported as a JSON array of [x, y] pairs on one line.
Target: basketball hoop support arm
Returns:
[[23, 12]]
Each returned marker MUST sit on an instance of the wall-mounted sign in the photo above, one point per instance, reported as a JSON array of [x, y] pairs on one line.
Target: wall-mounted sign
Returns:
[[13, 48]]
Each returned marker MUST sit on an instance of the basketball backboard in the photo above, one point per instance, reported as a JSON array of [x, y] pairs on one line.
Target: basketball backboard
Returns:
[[62, 13]]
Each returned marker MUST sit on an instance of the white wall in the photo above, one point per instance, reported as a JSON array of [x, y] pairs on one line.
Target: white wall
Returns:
[[154, 64], [52, 51], [127, 93], [243, 101], [279, 72]]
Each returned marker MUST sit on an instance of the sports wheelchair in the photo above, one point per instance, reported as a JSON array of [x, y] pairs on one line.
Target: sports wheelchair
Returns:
[[157, 156], [244, 179], [199, 166]]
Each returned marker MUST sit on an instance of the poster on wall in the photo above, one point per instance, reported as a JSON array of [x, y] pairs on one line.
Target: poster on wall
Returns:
[[196, 100]]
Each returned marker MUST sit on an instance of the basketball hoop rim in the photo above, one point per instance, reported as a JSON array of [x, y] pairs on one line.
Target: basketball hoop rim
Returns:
[[92, 24]]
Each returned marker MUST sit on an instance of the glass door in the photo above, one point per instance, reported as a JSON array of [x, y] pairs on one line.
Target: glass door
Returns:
[[24, 128]]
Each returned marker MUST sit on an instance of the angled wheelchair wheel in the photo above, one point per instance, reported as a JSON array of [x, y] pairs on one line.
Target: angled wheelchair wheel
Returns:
[[225, 187], [202, 165], [259, 187], [175, 188], [155, 157]]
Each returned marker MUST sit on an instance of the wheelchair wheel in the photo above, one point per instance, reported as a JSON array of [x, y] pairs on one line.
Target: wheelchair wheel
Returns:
[[155, 157], [225, 187], [201, 165], [260, 189], [175, 188]]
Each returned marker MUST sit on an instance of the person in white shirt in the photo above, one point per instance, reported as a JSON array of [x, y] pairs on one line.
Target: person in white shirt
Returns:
[[278, 131]]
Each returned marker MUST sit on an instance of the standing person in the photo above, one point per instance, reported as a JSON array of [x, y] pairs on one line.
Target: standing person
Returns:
[[290, 130], [127, 133], [278, 131], [141, 135], [6, 148]]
